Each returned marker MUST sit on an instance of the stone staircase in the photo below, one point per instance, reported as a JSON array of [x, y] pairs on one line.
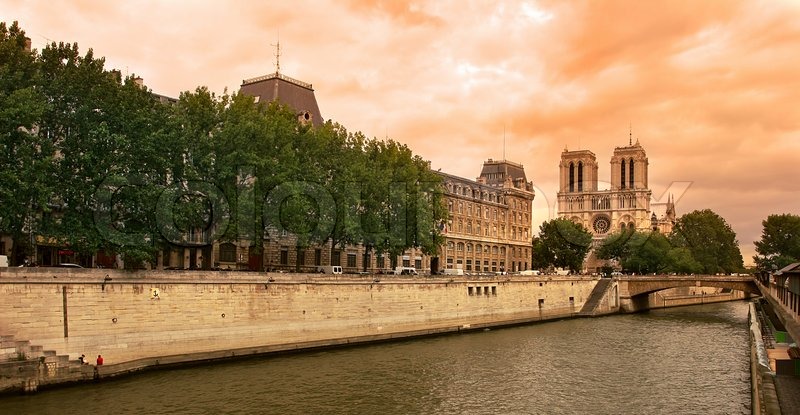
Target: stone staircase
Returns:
[[24, 366], [595, 297]]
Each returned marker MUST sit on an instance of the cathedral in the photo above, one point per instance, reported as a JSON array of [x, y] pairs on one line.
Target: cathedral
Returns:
[[626, 205]]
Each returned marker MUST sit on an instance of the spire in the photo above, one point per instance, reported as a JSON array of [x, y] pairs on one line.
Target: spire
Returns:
[[630, 134], [278, 54]]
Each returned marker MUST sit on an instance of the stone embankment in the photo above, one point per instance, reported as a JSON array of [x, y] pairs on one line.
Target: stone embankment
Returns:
[[139, 320]]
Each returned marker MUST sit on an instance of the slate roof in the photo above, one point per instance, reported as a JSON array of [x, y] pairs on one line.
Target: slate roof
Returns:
[[277, 86]]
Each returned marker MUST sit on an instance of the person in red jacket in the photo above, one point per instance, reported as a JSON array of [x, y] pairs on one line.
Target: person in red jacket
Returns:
[[99, 360]]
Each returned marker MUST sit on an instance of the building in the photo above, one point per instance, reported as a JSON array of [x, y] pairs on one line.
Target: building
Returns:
[[489, 229], [626, 205], [286, 90]]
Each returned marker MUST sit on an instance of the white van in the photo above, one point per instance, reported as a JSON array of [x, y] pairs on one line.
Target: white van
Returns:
[[452, 271], [405, 271], [530, 272], [329, 269]]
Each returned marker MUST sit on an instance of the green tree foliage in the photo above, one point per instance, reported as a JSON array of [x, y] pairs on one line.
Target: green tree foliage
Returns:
[[643, 253], [561, 243], [780, 242], [24, 155], [710, 240], [93, 161]]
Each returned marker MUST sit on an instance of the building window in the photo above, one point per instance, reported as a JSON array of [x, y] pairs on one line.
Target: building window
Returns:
[[622, 174], [317, 257], [336, 259], [478, 249], [381, 261], [469, 265], [571, 177], [227, 252], [460, 247], [469, 247], [631, 174], [406, 262], [418, 263], [580, 176], [284, 256], [351, 260]]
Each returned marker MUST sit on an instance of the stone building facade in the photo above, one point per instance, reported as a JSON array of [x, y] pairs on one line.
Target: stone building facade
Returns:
[[489, 229], [626, 205]]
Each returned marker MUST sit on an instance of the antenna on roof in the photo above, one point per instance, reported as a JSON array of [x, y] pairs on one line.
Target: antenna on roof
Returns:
[[278, 54], [504, 142]]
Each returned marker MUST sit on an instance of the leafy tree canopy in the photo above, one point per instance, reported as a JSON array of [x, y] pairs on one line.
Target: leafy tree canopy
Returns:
[[780, 242], [561, 243], [93, 161], [710, 240]]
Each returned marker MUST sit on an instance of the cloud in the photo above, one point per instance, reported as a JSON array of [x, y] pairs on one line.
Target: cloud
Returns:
[[709, 88]]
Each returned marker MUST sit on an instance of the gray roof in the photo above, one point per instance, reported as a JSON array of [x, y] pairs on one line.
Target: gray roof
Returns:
[[289, 91], [496, 171]]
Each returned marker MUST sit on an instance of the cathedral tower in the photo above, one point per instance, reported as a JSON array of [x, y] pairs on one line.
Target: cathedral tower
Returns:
[[629, 168], [578, 171]]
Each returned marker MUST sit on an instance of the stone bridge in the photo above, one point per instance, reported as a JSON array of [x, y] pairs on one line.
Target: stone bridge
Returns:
[[633, 290]]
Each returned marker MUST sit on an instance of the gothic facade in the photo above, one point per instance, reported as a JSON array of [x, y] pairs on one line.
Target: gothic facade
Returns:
[[625, 205]]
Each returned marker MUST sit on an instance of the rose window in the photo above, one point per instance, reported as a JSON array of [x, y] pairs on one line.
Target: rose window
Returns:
[[601, 224]]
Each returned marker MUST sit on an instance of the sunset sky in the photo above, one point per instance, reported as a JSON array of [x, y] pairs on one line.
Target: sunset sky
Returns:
[[711, 89]]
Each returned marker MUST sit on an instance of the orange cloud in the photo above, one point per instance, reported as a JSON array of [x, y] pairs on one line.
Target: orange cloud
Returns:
[[710, 88]]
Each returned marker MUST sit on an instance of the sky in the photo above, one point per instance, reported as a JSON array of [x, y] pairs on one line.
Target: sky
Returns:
[[711, 89]]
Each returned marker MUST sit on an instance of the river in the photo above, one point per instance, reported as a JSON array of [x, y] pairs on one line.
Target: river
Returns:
[[689, 360]]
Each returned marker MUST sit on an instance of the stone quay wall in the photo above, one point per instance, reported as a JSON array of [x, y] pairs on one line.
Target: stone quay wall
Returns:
[[684, 296], [141, 319], [144, 319]]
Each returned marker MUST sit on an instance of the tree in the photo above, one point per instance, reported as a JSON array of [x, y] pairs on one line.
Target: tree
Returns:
[[710, 240], [681, 261], [637, 252], [561, 243], [780, 242], [24, 155]]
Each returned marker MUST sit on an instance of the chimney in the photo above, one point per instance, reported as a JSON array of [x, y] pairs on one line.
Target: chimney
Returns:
[[27, 44]]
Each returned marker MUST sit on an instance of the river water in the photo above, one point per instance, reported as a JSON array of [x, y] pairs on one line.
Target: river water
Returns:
[[689, 360]]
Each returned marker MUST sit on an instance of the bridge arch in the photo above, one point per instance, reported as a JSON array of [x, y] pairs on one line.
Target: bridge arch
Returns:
[[633, 290]]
